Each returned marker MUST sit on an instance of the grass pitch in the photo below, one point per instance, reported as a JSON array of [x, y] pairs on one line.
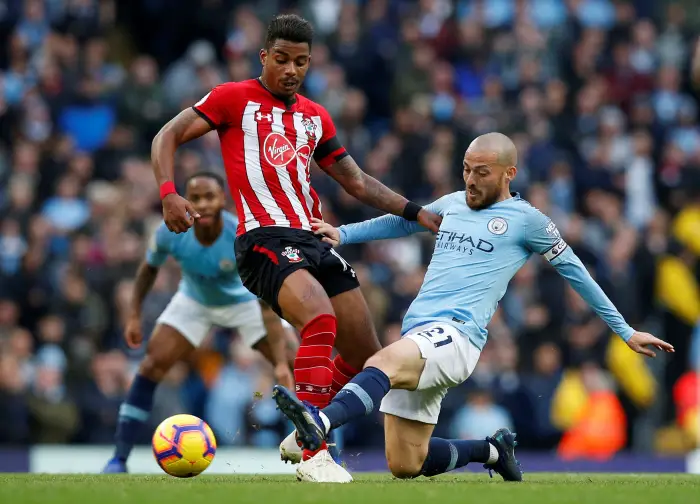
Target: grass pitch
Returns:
[[367, 489]]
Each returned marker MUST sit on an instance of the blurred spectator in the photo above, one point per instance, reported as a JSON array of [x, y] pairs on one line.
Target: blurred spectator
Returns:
[[54, 416], [477, 418], [540, 387], [600, 428]]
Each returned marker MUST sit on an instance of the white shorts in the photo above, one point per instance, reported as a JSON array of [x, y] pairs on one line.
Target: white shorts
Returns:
[[450, 358], [194, 320]]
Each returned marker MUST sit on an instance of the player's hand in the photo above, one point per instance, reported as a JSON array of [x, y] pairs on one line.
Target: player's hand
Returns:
[[132, 333], [330, 234], [641, 340], [178, 213], [429, 220], [283, 376]]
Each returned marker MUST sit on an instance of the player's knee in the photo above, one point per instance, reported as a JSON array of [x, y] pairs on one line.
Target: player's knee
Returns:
[[403, 467], [153, 368], [384, 361], [302, 299]]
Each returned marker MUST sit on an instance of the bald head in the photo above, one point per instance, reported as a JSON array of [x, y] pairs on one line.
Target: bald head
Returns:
[[492, 149], [489, 168]]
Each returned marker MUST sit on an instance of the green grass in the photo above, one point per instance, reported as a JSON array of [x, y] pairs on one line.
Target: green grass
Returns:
[[367, 489]]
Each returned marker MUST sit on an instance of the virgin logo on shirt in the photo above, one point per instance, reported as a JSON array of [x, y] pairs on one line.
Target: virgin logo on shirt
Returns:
[[279, 151]]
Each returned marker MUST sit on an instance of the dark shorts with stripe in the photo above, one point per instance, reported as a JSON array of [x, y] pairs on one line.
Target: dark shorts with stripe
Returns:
[[266, 256]]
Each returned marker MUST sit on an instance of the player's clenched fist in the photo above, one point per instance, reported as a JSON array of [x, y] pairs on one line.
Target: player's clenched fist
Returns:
[[178, 213]]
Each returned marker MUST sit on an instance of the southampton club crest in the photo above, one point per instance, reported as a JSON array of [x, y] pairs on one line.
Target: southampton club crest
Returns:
[[497, 225], [292, 255], [310, 128]]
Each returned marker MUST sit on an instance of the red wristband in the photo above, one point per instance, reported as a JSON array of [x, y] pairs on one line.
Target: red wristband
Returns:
[[166, 188]]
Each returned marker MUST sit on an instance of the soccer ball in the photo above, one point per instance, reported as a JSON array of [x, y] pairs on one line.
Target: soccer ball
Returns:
[[184, 446]]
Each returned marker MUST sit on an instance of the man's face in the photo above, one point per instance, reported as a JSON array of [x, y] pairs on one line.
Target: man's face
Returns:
[[207, 198], [285, 65], [484, 181]]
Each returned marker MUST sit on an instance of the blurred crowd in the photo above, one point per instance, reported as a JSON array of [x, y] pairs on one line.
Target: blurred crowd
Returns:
[[595, 93]]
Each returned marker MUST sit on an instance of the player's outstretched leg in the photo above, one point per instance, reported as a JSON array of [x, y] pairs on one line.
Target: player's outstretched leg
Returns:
[[361, 396], [166, 347], [412, 452]]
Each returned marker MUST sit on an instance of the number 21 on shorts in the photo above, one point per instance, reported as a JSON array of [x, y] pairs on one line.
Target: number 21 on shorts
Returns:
[[437, 336]]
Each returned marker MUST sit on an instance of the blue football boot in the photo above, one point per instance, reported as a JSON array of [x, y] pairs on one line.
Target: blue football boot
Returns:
[[310, 429], [506, 465], [115, 466]]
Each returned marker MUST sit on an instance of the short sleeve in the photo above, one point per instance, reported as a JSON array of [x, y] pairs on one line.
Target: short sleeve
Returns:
[[329, 149], [217, 105], [542, 236], [159, 246]]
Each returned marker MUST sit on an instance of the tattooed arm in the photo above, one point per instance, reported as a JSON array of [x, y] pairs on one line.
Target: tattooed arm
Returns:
[[332, 157], [366, 188], [370, 191]]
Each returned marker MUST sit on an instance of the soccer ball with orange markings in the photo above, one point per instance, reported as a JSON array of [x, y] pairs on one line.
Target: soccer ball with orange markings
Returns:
[[184, 446]]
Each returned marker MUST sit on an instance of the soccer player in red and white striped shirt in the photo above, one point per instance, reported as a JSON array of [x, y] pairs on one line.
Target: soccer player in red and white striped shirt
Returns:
[[269, 135]]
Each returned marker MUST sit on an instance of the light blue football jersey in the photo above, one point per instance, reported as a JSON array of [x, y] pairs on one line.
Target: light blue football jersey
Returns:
[[209, 274], [477, 252]]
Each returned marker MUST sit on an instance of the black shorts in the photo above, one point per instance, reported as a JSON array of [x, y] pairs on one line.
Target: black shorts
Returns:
[[267, 255]]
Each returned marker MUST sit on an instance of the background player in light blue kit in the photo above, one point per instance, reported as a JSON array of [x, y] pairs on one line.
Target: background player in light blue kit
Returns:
[[486, 236], [210, 294]]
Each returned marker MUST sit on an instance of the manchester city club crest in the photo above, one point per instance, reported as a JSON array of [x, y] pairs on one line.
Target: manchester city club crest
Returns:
[[226, 265], [292, 255], [497, 225]]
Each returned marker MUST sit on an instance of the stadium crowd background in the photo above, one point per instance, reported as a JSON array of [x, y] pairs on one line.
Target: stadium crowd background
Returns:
[[595, 94]]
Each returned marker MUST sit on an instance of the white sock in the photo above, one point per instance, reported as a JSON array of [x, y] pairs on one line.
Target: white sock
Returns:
[[326, 422], [493, 455]]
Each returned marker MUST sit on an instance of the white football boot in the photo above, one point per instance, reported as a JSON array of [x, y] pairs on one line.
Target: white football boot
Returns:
[[321, 468], [290, 451]]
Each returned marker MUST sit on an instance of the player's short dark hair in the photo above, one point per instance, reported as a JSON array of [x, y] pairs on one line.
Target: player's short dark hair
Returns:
[[289, 27], [207, 174]]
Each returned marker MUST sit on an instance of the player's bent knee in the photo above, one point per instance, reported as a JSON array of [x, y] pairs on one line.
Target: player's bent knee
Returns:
[[384, 361], [302, 298], [404, 468]]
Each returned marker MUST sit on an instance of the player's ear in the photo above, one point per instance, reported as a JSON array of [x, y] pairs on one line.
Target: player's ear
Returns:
[[511, 173], [263, 56]]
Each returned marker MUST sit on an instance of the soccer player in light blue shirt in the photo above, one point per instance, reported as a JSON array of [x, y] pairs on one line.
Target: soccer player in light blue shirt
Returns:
[[210, 294], [487, 234]]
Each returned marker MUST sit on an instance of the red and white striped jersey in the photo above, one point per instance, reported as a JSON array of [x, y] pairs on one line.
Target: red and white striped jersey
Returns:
[[267, 147]]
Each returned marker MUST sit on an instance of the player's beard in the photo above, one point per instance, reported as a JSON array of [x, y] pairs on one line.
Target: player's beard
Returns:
[[488, 197]]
